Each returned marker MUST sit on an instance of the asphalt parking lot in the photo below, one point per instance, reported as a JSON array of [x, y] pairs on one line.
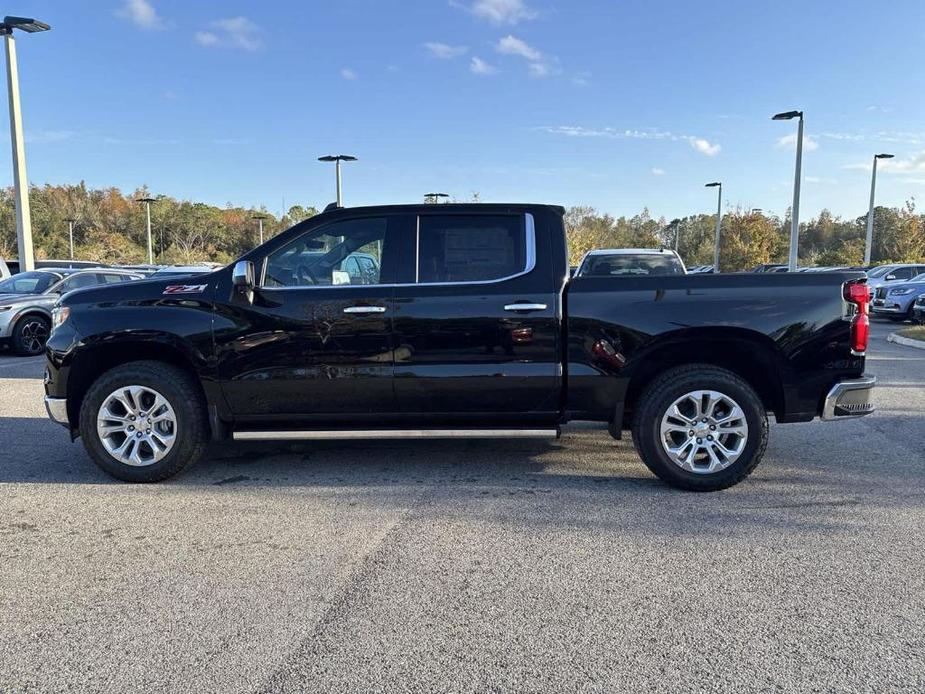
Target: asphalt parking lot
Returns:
[[468, 567]]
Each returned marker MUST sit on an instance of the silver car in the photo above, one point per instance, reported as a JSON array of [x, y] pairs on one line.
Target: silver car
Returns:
[[26, 301]]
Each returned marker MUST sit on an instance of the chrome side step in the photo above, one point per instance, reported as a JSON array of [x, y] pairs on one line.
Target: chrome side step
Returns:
[[312, 435]]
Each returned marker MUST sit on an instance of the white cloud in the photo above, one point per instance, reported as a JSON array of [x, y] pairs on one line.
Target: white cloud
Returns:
[[582, 79], [817, 179], [704, 146], [480, 67], [790, 142], [657, 171], [914, 164], [236, 32], [206, 38], [140, 13], [445, 51], [499, 11], [348, 74], [511, 45]]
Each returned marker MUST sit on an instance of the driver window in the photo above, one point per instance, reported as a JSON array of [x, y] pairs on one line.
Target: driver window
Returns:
[[328, 256]]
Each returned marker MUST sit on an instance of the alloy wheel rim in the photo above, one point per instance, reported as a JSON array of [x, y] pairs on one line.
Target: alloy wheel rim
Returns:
[[704, 431], [136, 425], [34, 335]]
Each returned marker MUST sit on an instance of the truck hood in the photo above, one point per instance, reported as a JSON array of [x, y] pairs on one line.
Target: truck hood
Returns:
[[146, 290]]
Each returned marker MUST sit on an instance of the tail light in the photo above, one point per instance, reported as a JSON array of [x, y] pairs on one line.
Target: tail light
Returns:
[[858, 294]]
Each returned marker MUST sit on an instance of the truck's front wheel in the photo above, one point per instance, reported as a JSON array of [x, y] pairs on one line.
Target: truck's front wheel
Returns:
[[700, 427], [144, 421]]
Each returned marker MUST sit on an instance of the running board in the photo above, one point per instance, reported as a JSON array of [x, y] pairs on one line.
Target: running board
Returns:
[[314, 435]]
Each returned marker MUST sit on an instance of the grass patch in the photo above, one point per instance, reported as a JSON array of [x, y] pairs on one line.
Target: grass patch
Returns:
[[915, 333]]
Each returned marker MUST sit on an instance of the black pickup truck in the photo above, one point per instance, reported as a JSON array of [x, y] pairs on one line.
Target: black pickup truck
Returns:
[[451, 321]]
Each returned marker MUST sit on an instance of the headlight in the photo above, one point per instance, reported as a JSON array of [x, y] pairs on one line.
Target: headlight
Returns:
[[900, 292], [59, 315]]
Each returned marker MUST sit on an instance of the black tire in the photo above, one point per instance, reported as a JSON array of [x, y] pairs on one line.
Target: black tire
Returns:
[[184, 396], [30, 335], [664, 391]]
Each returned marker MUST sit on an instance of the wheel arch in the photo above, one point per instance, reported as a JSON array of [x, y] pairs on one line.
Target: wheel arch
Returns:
[[95, 359], [748, 354]]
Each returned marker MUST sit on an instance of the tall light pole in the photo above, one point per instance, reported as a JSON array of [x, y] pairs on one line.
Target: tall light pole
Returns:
[[337, 159], [676, 223], [147, 201], [435, 197], [70, 233], [20, 180], [795, 210], [719, 220], [869, 244], [260, 218]]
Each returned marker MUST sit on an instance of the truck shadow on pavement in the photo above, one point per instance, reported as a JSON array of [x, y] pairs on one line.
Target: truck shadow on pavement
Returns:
[[587, 479]]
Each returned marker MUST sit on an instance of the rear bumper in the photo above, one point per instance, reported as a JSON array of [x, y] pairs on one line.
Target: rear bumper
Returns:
[[849, 399]]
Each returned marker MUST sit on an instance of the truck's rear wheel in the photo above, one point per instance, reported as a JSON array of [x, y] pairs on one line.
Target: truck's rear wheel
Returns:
[[144, 421], [701, 428]]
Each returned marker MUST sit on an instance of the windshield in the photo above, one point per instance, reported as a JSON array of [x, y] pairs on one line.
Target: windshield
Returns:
[[880, 271], [630, 265], [918, 278], [34, 282]]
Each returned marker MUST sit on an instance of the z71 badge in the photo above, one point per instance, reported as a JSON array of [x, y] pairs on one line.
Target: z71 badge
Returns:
[[185, 289]]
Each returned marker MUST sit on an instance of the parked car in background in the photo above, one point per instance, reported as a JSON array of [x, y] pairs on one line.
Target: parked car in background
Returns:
[[27, 299], [770, 267], [630, 262], [183, 270], [887, 274], [55, 264], [895, 300], [918, 310]]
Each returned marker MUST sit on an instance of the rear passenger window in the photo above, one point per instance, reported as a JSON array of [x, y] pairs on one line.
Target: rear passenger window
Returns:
[[470, 248]]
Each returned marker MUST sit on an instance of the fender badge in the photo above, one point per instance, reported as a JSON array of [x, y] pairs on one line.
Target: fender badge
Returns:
[[185, 289]]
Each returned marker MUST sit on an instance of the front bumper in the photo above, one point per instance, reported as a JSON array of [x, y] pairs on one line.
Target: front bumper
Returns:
[[57, 410], [849, 399], [886, 306]]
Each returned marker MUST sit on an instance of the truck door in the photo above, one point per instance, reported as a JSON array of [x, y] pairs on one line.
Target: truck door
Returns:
[[316, 340], [476, 327]]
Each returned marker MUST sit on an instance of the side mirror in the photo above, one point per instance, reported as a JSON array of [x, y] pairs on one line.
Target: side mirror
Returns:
[[889, 278], [242, 277]]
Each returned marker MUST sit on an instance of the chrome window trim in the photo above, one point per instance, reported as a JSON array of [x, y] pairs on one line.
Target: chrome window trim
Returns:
[[529, 265]]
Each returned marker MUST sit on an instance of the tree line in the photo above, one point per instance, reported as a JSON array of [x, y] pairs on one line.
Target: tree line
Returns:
[[109, 226]]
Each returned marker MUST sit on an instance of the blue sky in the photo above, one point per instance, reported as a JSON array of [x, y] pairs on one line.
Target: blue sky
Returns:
[[620, 105]]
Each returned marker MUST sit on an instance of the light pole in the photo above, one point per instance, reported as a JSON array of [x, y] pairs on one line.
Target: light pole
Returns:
[[20, 180], [70, 233], [147, 201], [337, 159], [435, 197], [869, 244], [719, 219], [795, 210], [260, 218], [676, 223]]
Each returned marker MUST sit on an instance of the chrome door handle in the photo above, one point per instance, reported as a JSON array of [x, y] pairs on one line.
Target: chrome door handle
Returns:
[[365, 309], [525, 307]]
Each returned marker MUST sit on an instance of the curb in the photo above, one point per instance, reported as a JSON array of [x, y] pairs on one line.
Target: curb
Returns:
[[907, 341]]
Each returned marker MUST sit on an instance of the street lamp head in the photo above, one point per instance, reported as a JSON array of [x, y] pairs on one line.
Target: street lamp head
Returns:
[[883, 156], [70, 219], [145, 200], [27, 24], [337, 157], [787, 115], [259, 216], [436, 195], [712, 185]]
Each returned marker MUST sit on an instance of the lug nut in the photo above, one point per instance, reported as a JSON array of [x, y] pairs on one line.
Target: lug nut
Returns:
[[709, 438], [699, 440], [138, 435], [132, 417], [148, 431], [690, 433], [704, 420], [131, 428], [712, 427]]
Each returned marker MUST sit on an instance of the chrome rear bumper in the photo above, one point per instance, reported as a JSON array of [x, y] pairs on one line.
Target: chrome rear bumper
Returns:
[[57, 410], [849, 399]]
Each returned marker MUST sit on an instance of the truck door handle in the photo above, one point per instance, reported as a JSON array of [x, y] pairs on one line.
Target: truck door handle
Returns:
[[525, 307], [365, 309]]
